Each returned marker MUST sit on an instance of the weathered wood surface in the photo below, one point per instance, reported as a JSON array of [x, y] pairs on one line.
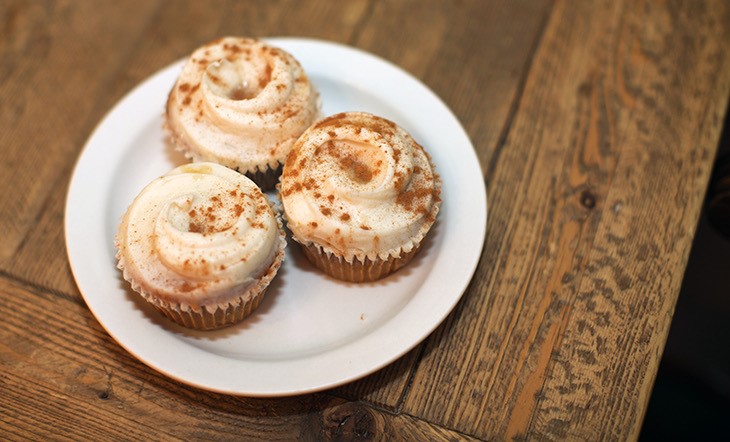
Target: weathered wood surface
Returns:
[[595, 124]]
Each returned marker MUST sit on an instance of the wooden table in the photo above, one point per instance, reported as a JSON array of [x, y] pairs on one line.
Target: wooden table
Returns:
[[595, 123]]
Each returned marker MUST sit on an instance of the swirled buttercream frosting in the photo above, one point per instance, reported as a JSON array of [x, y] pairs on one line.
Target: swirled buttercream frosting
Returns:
[[201, 237], [359, 187], [241, 103]]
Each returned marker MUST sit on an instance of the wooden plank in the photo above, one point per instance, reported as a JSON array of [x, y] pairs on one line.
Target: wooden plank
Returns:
[[677, 75], [56, 57], [576, 288], [62, 376], [473, 54]]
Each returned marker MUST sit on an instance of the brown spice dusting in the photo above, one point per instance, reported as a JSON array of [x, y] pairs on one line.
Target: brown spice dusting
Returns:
[[345, 217], [398, 180], [407, 198], [239, 94], [290, 160], [356, 169], [334, 120], [261, 209], [310, 184], [267, 76]]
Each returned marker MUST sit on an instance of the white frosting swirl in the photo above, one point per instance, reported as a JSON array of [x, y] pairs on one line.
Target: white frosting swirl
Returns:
[[241, 103], [358, 186], [197, 236]]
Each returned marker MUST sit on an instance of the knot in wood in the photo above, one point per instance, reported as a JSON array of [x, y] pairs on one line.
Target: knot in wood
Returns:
[[348, 421], [587, 199]]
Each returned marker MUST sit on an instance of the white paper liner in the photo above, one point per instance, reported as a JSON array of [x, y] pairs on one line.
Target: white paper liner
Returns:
[[357, 270]]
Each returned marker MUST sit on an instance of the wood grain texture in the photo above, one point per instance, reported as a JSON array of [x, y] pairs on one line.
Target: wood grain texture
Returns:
[[427, 51], [595, 124], [66, 378], [55, 57], [611, 156]]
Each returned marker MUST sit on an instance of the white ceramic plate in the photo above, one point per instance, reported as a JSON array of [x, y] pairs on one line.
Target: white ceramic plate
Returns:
[[311, 332]]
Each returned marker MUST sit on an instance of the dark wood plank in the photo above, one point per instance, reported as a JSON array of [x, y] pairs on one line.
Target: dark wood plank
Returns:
[[62, 376], [676, 73], [593, 202], [56, 57], [473, 54]]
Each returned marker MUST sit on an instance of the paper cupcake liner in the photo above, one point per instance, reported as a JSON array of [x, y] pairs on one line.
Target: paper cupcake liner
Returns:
[[358, 270], [266, 179], [217, 315], [204, 320]]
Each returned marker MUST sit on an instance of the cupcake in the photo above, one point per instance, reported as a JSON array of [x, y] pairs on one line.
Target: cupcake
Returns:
[[201, 244], [241, 103], [359, 195]]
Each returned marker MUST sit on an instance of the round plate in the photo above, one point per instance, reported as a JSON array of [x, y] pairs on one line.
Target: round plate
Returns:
[[311, 332]]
